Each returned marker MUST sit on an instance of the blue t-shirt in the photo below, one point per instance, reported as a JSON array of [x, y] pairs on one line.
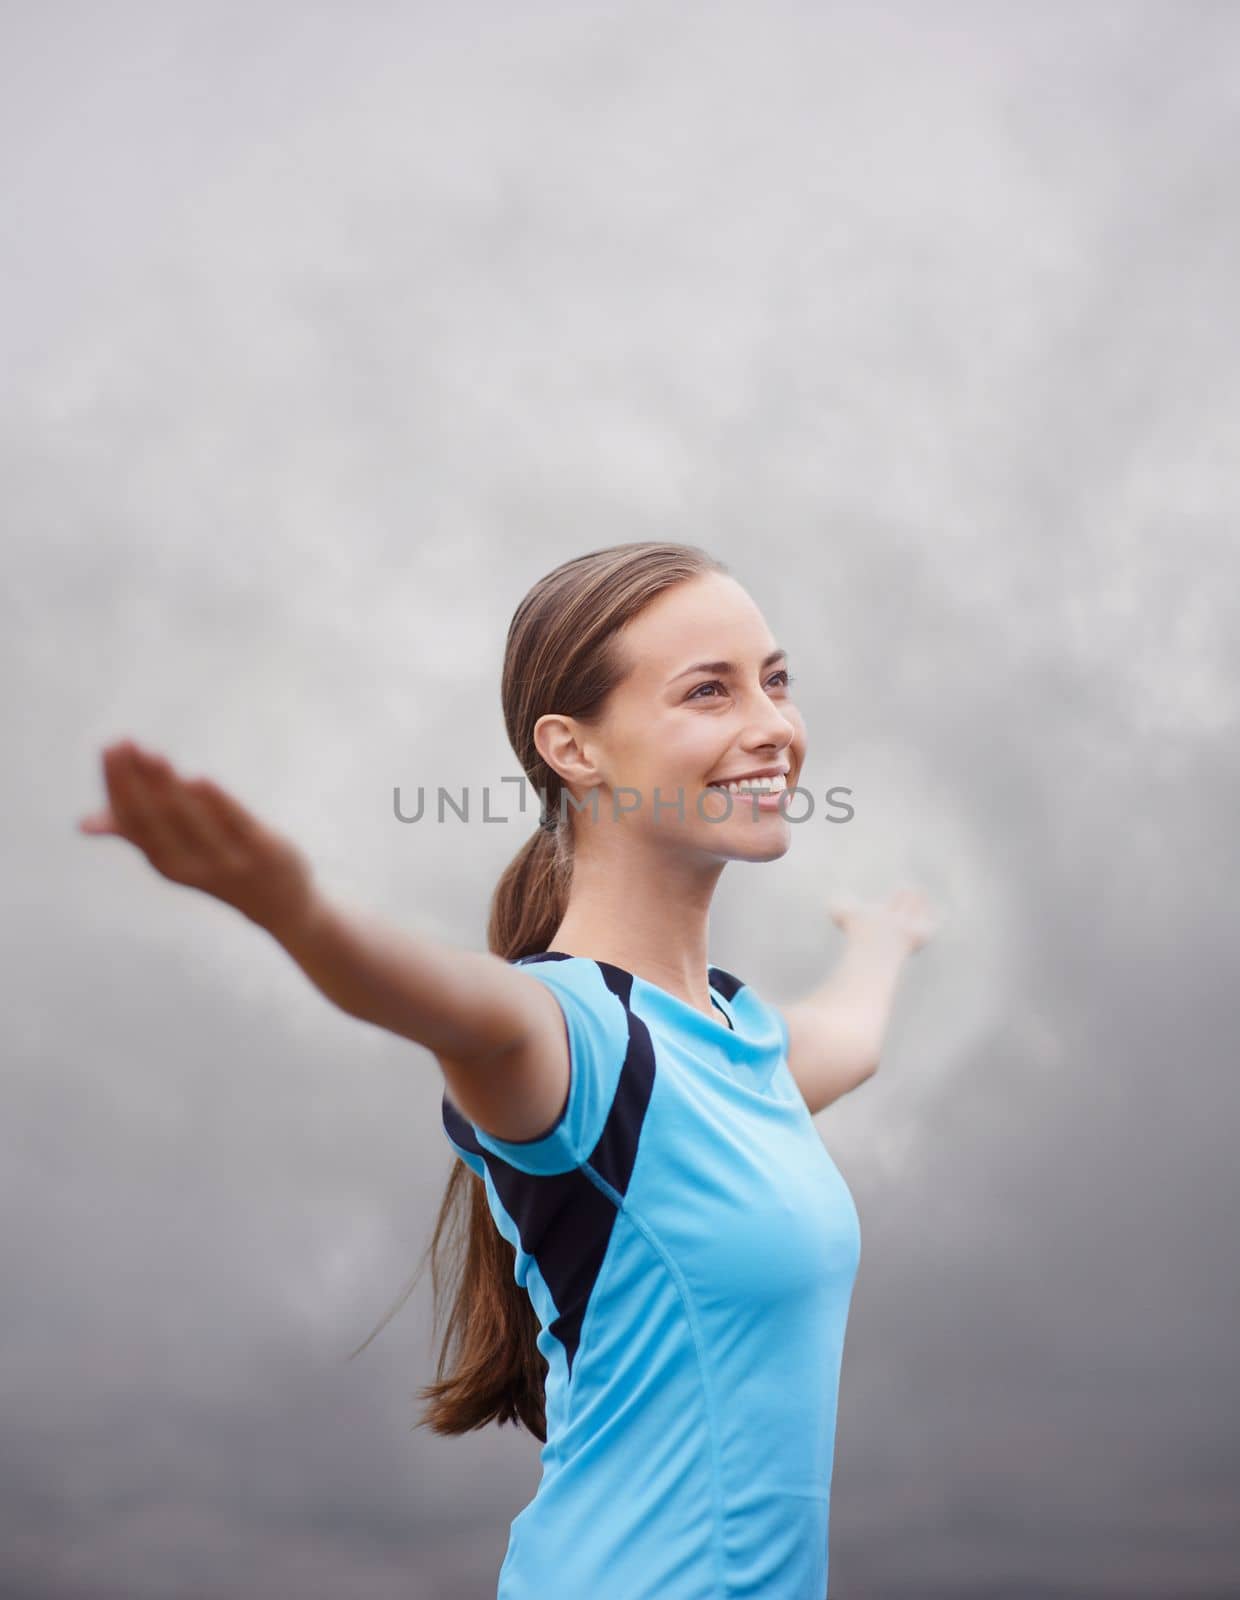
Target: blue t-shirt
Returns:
[[690, 1248]]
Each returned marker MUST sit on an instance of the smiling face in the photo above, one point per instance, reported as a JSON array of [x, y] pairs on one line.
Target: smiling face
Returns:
[[706, 699]]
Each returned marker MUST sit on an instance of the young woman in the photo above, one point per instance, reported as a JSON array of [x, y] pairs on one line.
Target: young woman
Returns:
[[660, 1253]]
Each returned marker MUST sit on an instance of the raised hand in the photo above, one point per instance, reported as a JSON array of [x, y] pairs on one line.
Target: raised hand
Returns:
[[906, 914], [195, 833]]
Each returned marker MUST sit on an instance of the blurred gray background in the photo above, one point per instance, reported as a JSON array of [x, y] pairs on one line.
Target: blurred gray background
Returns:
[[327, 330]]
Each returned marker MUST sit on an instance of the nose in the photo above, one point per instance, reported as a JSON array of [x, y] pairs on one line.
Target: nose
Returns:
[[771, 730]]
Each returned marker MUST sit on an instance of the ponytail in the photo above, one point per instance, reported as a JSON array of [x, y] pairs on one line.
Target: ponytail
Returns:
[[561, 656]]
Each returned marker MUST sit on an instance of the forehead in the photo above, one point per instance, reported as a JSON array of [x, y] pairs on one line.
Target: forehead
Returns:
[[703, 619]]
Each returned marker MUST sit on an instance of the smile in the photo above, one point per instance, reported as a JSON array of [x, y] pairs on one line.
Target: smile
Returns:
[[775, 785]]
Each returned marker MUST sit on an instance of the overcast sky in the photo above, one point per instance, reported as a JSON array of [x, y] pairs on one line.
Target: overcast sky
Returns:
[[327, 330]]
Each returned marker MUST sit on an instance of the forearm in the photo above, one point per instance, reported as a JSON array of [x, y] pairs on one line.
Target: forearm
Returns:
[[855, 1000], [462, 1003]]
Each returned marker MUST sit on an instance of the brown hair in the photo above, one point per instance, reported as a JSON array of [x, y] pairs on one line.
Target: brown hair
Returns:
[[562, 656]]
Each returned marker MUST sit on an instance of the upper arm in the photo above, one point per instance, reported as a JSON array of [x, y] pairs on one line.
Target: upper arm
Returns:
[[824, 1057], [541, 1103], [519, 1090]]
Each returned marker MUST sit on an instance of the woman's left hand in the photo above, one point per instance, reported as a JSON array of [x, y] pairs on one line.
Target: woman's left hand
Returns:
[[906, 914]]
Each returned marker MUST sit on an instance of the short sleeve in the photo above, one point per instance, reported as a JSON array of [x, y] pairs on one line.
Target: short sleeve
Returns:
[[782, 1023], [598, 1040]]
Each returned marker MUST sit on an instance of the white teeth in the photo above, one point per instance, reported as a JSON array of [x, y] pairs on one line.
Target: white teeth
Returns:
[[775, 785]]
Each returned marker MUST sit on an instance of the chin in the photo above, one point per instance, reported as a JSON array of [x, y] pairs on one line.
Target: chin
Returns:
[[771, 851], [776, 843]]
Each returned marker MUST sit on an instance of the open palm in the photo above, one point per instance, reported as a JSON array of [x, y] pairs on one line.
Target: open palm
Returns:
[[194, 833]]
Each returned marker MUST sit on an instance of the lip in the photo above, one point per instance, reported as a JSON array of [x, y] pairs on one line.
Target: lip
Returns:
[[759, 772]]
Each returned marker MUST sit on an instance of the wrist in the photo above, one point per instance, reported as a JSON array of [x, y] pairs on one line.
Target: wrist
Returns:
[[296, 922]]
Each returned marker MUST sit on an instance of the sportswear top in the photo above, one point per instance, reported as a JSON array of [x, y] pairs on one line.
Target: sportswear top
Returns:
[[689, 1248]]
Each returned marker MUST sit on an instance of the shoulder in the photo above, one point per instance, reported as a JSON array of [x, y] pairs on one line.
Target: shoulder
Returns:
[[594, 982], [573, 1076]]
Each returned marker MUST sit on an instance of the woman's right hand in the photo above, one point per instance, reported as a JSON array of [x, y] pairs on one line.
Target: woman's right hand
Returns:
[[193, 832]]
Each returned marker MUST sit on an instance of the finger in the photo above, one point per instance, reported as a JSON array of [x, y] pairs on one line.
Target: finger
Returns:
[[99, 822], [138, 809], [104, 820], [124, 793], [180, 813], [226, 812]]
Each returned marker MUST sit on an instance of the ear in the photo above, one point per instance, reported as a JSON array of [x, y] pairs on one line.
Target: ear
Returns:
[[559, 740]]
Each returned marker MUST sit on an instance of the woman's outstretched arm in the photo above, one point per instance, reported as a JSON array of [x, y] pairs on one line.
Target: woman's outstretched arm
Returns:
[[498, 1033], [835, 1033]]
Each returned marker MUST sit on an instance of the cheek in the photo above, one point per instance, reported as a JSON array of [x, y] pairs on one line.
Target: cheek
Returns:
[[663, 752], [699, 750]]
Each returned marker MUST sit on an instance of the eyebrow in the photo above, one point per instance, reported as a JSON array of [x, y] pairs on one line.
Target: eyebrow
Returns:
[[728, 666]]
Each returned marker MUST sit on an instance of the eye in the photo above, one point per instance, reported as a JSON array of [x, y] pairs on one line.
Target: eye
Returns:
[[717, 683]]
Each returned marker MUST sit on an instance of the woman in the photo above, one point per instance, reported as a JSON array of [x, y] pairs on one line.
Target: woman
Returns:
[[660, 1252]]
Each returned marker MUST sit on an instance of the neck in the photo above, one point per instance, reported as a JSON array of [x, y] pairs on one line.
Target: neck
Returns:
[[646, 911]]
